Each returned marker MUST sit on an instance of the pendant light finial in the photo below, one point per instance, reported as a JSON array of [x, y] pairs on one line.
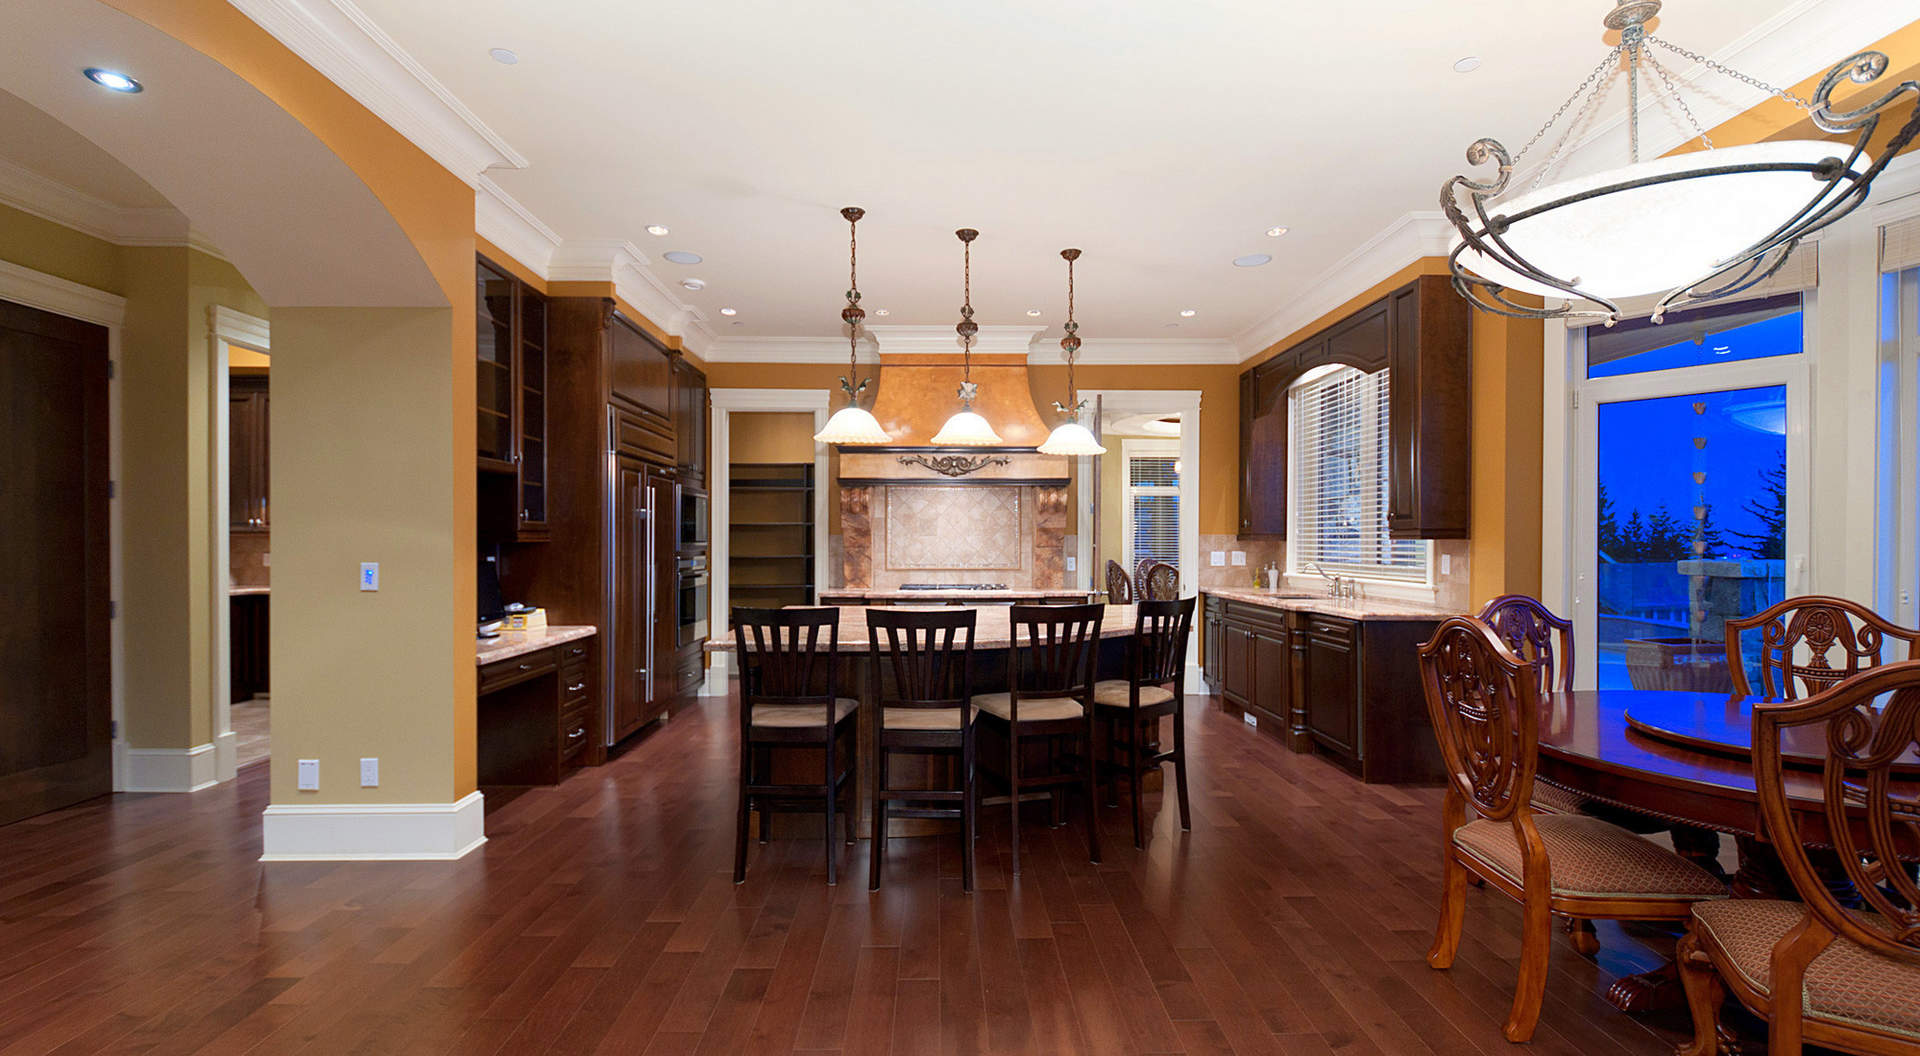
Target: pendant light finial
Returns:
[[965, 428], [852, 424], [1070, 438]]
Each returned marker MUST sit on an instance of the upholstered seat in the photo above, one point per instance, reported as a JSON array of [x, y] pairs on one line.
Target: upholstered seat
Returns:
[[1112, 693], [796, 715], [1591, 859], [1556, 800], [923, 718], [1032, 709], [1846, 983]]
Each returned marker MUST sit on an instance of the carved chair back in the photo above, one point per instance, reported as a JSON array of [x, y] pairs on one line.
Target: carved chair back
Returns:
[[781, 661], [923, 660], [1798, 641], [1485, 706], [1161, 583], [1157, 653], [1865, 724], [1053, 653], [1119, 587], [1534, 633]]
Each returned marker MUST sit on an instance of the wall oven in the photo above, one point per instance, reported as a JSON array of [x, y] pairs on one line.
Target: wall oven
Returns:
[[692, 597], [695, 531]]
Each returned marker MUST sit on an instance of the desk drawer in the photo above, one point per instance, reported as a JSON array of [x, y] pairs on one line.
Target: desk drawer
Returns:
[[575, 734], [516, 669]]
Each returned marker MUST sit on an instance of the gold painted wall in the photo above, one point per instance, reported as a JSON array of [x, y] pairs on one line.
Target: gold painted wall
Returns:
[[770, 436]]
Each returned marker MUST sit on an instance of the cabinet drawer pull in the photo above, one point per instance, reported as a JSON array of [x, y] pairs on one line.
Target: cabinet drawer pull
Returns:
[[579, 732], [526, 667], [577, 650], [576, 687]]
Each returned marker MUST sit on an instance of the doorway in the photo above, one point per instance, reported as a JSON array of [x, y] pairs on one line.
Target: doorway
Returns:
[[240, 365]]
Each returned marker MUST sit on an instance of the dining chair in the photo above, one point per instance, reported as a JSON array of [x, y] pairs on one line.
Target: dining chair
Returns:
[[1484, 703], [1050, 667], [1798, 637], [1161, 583], [789, 699], [1156, 668], [1534, 633], [923, 696], [1818, 970], [1119, 587]]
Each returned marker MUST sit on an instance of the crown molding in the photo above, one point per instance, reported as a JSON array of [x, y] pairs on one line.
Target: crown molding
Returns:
[[499, 218], [1412, 236], [55, 202], [624, 264], [339, 40], [1137, 352], [1003, 340], [941, 339]]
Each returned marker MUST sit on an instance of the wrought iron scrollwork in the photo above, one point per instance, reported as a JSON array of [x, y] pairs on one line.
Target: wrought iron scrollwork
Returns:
[[953, 465]]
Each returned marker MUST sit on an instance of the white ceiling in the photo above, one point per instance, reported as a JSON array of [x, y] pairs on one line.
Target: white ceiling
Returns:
[[32, 140], [1162, 139]]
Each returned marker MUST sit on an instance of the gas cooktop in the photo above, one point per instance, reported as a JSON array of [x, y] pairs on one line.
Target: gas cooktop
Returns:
[[953, 586]]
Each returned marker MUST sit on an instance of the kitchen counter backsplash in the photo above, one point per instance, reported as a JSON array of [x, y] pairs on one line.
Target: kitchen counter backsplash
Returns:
[[247, 558]]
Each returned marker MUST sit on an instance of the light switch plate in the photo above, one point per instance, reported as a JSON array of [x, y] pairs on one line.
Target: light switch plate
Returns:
[[266, 559], [309, 775], [1071, 562], [1240, 557], [370, 772], [369, 575], [1217, 558], [1446, 564]]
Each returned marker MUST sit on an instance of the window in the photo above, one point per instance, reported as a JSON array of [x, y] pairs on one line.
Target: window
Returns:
[[1715, 334], [1152, 502], [1337, 518]]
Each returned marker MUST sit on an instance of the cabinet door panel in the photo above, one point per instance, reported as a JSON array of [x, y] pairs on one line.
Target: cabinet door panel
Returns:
[[642, 370], [1361, 340], [1237, 678], [631, 620], [1333, 685], [1272, 675], [664, 501]]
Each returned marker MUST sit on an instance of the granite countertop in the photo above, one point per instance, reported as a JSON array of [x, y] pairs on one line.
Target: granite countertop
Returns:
[[248, 592], [992, 631], [947, 595], [1351, 608], [519, 643]]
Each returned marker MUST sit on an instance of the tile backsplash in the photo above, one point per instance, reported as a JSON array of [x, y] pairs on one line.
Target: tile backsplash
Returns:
[[247, 558], [897, 534]]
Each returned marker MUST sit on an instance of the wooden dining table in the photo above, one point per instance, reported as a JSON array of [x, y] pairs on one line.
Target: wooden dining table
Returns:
[[1686, 759]]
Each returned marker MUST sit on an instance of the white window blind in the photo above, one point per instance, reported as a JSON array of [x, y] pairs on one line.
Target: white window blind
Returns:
[[1338, 507], [1152, 504]]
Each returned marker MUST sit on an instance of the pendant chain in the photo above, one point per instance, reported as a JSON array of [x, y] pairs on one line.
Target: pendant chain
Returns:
[[1071, 328], [853, 298]]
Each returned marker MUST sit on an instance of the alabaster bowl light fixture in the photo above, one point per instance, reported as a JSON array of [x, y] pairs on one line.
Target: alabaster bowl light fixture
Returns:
[[1070, 438], [1694, 227], [965, 428], [853, 424]]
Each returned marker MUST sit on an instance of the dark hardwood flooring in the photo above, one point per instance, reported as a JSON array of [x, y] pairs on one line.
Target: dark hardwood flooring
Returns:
[[601, 917]]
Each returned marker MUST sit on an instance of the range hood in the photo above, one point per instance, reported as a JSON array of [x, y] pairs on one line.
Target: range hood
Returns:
[[920, 372]]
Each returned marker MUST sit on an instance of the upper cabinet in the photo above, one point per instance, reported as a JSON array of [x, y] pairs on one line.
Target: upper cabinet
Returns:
[[642, 371], [247, 454], [512, 397], [1420, 334], [690, 421]]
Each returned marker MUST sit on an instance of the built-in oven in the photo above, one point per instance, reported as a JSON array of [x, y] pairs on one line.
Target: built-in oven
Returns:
[[695, 532], [692, 587]]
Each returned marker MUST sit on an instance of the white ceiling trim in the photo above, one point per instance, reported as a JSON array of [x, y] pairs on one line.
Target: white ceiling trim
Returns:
[[1415, 235], [30, 192], [1137, 352], [499, 218], [49, 293], [897, 339], [622, 263], [901, 340], [338, 39]]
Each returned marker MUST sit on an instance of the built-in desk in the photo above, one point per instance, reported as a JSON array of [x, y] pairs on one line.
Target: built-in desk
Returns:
[[539, 711]]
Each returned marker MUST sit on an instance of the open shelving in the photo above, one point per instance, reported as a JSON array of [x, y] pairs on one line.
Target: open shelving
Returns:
[[770, 552]]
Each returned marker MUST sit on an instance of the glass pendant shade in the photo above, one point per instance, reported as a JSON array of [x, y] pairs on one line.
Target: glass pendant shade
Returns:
[[1650, 237], [966, 429], [1072, 439], [852, 424]]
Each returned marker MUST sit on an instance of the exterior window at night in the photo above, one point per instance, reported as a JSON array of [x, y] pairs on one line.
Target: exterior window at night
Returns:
[[1702, 337], [1337, 517]]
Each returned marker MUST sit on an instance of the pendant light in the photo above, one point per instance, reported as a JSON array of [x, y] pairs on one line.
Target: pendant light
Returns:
[[965, 428], [853, 424], [1694, 227], [1070, 437]]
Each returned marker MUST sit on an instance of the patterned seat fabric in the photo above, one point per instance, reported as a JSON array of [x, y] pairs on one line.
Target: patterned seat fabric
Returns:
[[1032, 709], [1556, 800], [792, 715], [1592, 859], [1112, 692], [922, 718], [1847, 983]]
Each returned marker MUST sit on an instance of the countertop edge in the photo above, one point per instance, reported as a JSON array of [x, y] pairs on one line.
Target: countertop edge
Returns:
[[519, 643], [1381, 609]]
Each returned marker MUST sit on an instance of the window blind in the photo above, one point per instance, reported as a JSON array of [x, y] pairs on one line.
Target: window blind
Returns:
[[1338, 518], [1800, 273], [1900, 245], [1153, 509]]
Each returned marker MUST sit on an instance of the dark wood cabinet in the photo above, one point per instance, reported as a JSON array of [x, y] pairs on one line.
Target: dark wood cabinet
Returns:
[[1421, 334], [1333, 683], [511, 393], [642, 371], [536, 715], [247, 449], [690, 421]]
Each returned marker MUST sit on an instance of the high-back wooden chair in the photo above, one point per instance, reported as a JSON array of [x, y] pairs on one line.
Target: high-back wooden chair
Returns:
[[923, 693], [1119, 587], [1134, 705], [1484, 703], [1535, 634], [1819, 970], [1799, 638], [1161, 583], [1050, 670], [789, 698]]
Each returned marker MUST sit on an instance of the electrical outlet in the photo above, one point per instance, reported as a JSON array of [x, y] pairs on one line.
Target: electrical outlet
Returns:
[[1446, 564], [370, 772], [1071, 562], [369, 575], [266, 559], [1251, 719], [1217, 558], [309, 775], [1240, 557]]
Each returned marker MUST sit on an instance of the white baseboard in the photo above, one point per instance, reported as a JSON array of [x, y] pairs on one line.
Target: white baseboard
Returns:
[[373, 832], [1195, 683], [226, 756], [170, 769], [719, 670]]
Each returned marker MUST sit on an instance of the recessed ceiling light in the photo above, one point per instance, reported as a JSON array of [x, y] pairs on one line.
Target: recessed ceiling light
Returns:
[[503, 56], [694, 284], [1467, 64], [681, 256], [1276, 232], [729, 311], [881, 311], [1171, 326], [656, 230], [1035, 312], [113, 80], [1186, 313], [1252, 260]]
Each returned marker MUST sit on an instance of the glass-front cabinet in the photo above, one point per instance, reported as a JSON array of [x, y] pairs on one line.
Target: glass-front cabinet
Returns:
[[511, 395]]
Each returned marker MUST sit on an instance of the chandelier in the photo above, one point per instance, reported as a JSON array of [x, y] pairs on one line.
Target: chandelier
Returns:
[[965, 428], [852, 424], [1694, 227], [1070, 437]]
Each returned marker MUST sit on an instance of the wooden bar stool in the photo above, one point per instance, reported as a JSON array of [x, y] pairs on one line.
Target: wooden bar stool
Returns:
[[1050, 666], [788, 699], [1156, 668], [923, 690]]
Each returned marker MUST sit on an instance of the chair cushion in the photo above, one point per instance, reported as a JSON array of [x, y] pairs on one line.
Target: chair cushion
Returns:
[[1556, 800], [1590, 858], [1847, 983], [1113, 693], [921, 718], [794, 715], [1032, 709]]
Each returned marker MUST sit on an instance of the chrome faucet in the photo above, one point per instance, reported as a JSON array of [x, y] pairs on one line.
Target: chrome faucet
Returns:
[[1337, 586]]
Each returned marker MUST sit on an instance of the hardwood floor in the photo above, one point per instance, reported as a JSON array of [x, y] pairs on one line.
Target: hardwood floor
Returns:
[[600, 917]]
